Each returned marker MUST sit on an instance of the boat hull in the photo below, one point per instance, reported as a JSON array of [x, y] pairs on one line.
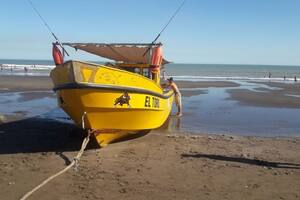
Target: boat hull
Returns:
[[114, 110], [144, 111]]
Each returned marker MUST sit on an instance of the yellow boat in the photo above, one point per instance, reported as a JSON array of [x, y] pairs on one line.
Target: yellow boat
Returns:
[[114, 100]]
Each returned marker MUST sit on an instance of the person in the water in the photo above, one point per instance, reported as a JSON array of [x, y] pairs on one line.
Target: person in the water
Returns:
[[177, 93]]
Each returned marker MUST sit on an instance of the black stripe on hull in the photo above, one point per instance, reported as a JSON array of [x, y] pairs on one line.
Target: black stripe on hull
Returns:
[[111, 87]]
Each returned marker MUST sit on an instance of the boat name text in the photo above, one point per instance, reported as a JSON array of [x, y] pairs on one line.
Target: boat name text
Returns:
[[151, 102]]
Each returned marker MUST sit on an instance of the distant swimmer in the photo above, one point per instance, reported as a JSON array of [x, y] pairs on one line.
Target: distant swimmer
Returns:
[[177, 93]]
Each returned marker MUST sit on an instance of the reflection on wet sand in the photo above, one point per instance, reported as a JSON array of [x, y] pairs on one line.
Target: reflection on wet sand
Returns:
[[172, 124], [19, 105]]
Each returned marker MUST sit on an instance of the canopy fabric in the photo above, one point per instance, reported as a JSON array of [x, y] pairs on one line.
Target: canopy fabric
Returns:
[[123, 52]]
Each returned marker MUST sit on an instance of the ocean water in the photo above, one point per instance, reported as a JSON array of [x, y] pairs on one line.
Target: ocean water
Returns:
[[27, 62], [193, 72], [231, 72], [26, 67]]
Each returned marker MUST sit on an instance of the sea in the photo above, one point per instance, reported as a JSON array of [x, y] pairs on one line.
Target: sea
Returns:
[[213, 111], [179, 71], [232, 72]]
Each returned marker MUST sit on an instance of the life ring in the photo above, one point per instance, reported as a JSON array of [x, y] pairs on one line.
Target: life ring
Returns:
[[57, 55]]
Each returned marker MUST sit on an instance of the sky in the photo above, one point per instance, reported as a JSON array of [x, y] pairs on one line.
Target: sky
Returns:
[[204, 31]]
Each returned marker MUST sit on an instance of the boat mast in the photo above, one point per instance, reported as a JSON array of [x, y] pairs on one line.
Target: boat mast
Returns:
[[47, 26], [167, 24]]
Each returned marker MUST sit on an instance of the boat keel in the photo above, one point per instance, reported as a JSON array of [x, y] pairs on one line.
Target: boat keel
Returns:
[[105, 137]]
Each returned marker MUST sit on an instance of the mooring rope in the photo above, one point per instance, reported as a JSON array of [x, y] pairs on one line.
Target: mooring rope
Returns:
[[74, 162]]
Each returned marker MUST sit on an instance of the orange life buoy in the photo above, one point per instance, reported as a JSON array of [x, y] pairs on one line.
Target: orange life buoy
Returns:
[[57, 55], [157, 55]]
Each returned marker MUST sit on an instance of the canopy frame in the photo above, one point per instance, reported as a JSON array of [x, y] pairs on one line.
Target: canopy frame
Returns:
[[137, 53]]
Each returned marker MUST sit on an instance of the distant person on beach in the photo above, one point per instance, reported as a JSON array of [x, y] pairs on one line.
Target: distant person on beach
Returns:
[[295, 78], [164, 75], [270, 74], [177, 93], [284, 77]]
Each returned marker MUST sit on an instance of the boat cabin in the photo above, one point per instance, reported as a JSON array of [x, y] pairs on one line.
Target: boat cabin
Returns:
[[144, 59]]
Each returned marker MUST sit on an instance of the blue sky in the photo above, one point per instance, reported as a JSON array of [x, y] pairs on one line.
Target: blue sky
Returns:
[[205, 31]]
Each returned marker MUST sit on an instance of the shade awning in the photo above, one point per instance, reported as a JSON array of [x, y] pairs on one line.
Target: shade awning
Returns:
[[120, 52]]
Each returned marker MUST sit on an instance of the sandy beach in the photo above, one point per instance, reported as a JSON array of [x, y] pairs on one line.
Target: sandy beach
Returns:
[[160, 165], [156, 166]]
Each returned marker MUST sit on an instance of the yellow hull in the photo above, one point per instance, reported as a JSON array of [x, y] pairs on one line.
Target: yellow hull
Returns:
[[116, 102]]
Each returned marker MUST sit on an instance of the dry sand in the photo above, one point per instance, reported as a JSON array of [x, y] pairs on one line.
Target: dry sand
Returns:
[[155, 166]]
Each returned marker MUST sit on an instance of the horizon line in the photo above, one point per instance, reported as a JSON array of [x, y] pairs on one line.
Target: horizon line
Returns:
[[191, 63]]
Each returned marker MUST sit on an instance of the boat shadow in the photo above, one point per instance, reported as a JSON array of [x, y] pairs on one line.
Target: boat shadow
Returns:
[[37, 134], [243, 160]]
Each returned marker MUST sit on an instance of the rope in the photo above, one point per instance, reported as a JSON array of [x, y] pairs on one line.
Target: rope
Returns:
[[82, 120], [74, 162]]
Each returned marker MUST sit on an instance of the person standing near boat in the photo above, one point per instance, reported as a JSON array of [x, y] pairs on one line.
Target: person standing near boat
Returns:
[[171, 84]]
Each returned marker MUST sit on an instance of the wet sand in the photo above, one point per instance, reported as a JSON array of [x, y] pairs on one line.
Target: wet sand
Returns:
[[159, 165], [25, 83], [281, 96], [206, 84], [189, 93], [290, 88]]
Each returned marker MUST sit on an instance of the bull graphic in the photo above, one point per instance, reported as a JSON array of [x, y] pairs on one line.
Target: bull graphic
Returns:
[[124, 99]]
